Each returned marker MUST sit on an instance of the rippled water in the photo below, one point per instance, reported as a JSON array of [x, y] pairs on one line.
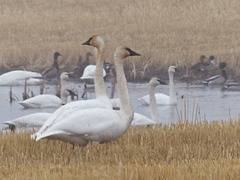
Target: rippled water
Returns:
[[199, 101]]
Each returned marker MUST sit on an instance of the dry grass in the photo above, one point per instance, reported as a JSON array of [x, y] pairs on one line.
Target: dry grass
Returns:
[[184, 151], [167, 31]]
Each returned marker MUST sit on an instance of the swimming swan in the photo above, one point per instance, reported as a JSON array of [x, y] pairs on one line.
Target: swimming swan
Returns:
[[163, 99], [97, 124], [49, 100], [18, 77], [139, 119]]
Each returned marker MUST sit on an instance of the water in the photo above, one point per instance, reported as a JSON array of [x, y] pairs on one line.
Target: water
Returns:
[[205, 103]]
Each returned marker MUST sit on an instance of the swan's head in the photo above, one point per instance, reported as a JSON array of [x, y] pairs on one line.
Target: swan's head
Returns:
[[56, 55], [64, 76], [173, 69], [123, 52], [156, 81], [95, 41]]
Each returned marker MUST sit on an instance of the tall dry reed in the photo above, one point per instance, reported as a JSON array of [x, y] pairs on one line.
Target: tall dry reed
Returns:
[[168, 32]]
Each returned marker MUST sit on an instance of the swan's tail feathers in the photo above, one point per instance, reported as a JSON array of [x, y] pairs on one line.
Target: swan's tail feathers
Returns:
[[24, 104], [39, 136]]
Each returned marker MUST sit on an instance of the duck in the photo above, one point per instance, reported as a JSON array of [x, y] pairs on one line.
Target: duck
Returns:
[[35, 120], [48, 100], [163, 99], [197, 67], [140, 120], [52, 72], [97, 124], [217, 79], [79, 68], [18, 78], [209, 65]]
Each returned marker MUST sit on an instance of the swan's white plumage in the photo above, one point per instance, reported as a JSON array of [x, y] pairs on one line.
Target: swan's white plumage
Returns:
[[89, 74], [141, 120], [48, 100], [30, 120], [163, 99], [95, 124], [18, 77], [42, 101]]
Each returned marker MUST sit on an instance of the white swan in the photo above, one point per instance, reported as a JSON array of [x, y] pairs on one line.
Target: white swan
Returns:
[[18, 77], [139, 119], [163, 99], [48, 100], [97, 124], [101, 101], [89, 74], [30, 120]]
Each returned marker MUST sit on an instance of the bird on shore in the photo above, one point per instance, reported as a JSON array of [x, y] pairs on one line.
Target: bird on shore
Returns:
[[97, 124], [52, 72], [197, 67]]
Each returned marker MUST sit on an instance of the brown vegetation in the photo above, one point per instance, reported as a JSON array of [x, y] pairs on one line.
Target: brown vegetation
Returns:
[[168, 32], [197, 150]]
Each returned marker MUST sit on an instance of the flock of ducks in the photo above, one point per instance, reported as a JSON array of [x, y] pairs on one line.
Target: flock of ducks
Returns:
[[96, 120]]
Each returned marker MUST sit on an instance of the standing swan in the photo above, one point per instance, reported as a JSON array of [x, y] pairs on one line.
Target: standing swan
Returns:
[[48, 100], [97, 124], [163, 99], [101, 100]]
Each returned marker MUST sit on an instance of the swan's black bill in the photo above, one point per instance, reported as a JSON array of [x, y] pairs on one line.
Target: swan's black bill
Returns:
[[177, 70], [162, 82], [132, 53], [87, 42]]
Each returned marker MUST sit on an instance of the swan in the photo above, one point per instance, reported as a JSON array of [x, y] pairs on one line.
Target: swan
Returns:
[[89, 74], [101, 101], [53, 71], [30, 120], [217, 79], [48, 100], [163, 99], [97, 124], [139, 119], [18, 78]]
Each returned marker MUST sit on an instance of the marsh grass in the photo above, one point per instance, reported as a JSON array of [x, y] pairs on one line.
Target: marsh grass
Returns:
[[168, 32], [199, 150]]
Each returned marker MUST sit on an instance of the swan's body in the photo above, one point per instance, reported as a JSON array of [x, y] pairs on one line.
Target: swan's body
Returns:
[[53, 71], [217, 79], [31, 120], [48, 100], [89, 74], [96, 124], [18, 77], [163, 99]]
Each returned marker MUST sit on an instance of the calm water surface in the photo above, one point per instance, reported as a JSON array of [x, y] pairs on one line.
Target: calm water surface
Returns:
[[205, 103]]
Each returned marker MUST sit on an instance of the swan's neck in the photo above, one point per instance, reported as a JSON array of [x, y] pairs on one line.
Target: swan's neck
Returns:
[[98, 79], [125, 103], [64, 93], [153, 104], [172, 92]]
